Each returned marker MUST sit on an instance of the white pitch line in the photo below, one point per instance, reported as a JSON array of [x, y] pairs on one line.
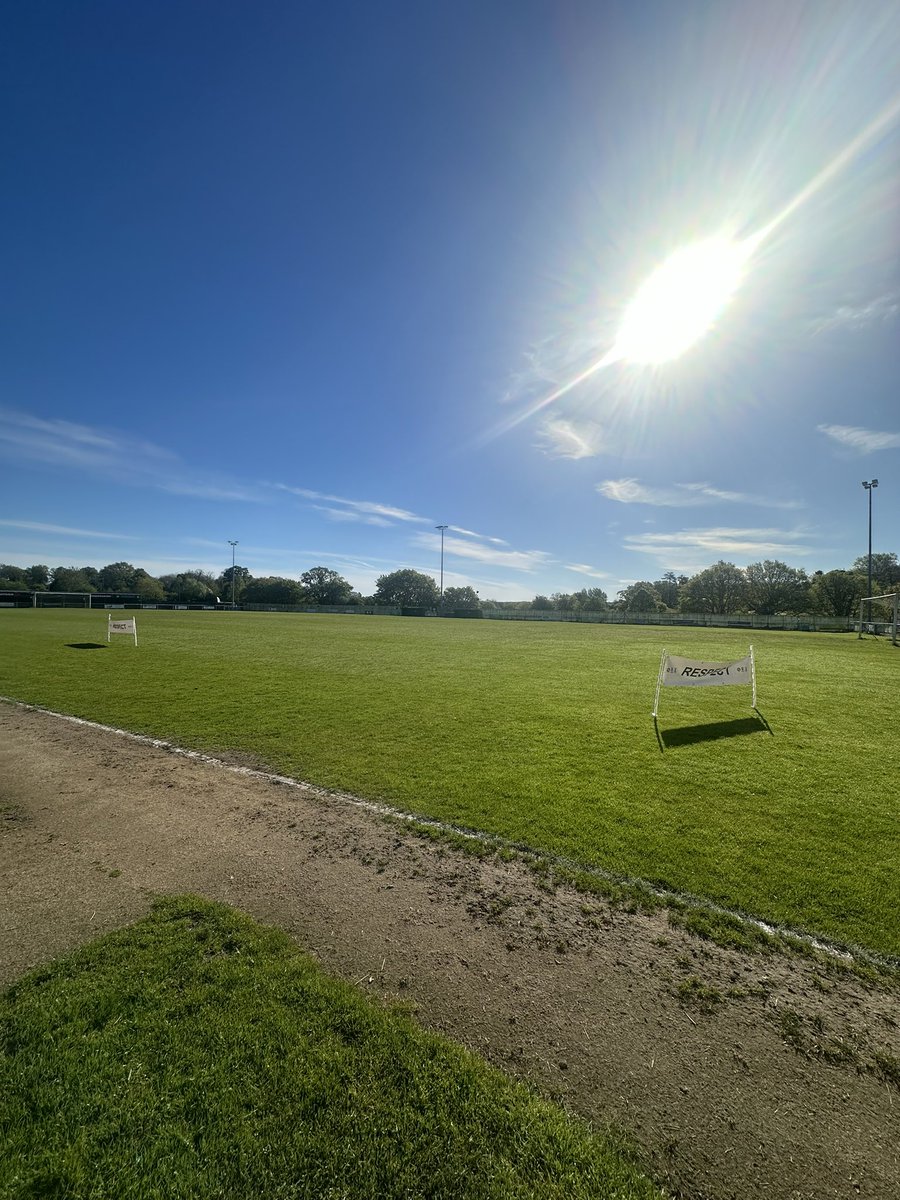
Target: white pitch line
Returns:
[[385, 810]]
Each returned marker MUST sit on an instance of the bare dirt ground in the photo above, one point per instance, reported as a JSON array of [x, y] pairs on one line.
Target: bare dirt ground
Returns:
[[551, 986]]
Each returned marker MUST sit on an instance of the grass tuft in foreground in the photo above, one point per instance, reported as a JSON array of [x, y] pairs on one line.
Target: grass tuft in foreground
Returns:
[[196, 1054]]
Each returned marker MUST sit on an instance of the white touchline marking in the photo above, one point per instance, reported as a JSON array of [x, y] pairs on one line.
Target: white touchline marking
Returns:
[[385, 810]]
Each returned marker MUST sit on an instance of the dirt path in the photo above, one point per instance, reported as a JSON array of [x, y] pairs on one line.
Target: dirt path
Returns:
[[552, 987]]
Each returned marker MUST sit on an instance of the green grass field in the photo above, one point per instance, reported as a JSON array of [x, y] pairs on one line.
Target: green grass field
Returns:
[[540, 733], [198, 1055]]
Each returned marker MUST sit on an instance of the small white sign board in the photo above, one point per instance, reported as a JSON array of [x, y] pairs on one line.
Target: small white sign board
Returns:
[[128, 627], [693, 673]]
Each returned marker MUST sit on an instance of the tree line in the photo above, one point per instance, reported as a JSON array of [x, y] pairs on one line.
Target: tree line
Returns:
[[318, 585], [767, 588]]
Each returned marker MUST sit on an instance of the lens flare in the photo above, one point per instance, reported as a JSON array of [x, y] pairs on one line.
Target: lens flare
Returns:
[[681, 301], [684, 297]]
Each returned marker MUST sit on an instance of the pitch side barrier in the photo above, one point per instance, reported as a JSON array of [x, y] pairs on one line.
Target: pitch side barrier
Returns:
[[804, 623]]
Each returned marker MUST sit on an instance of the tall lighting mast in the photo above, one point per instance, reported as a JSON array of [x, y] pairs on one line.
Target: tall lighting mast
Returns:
[[442, 528], [232, 545], [870, 485]]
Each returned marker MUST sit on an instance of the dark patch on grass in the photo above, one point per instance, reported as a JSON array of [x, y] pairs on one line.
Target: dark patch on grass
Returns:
[[689, 735], [86, 646]]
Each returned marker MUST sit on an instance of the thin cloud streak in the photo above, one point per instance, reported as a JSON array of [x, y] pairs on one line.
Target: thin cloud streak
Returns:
[[560, 438], [454, 547], [211, 491], [482, 537], [367, 507], [859, 316], [866, 441], [585, 569], [98, 452], [749, 544], [682, 495], [351, 515], [68, 531], [65, 443]]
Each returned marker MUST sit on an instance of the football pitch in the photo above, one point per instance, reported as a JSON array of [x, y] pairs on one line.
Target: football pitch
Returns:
[[539, 733]]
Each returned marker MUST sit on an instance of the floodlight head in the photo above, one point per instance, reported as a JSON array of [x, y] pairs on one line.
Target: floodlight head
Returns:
[[874, 483]]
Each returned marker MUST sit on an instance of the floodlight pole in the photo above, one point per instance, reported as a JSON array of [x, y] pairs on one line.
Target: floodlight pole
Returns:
[[232, 545], [870, 486], [442, 528]]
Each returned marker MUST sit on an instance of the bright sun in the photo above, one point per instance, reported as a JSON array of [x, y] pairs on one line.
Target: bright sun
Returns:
[[681, 300]]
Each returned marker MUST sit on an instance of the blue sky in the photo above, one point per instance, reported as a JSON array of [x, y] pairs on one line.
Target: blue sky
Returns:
[[301, 275]]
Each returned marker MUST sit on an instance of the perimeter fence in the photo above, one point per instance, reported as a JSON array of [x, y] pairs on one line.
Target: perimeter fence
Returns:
[[803, 622]]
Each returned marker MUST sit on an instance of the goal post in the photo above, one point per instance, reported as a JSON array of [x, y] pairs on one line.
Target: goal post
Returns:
[[871, 626]]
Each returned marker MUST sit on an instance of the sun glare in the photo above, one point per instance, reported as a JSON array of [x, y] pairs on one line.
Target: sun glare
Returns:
[[681, 301]]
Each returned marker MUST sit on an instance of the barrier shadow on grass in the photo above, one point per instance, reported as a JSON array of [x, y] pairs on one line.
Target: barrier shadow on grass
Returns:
[[689, 735], [85, 645]]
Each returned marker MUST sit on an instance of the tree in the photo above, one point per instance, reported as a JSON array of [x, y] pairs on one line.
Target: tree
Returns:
[[74, 579], [773, 586], [640, 597], [460, 597], [837, 593], [242, 577], [324, 586], [38, 577], [13, 579], [274, 589], [542, 603], [563, 602], [189, 587], [668, 588], [721, 588], [117, 577], [148, 588], [591, 600], [407, 588], [885, 572]]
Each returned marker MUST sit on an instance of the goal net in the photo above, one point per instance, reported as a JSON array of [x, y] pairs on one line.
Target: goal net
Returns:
[[878, 616]]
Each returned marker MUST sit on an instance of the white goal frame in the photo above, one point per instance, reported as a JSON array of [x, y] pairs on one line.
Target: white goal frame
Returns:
[[866, 599]]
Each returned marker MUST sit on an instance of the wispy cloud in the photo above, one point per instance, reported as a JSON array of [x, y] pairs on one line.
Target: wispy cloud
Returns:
[[693, 549], [67, 530], [585, 569], [552, 361], [682, 495], [210, 491], [454, 547], [363, 508], [858, 316], [350, 514], [561, 438], [863, 440], [112, 455], [482, 537], [64, 443]]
